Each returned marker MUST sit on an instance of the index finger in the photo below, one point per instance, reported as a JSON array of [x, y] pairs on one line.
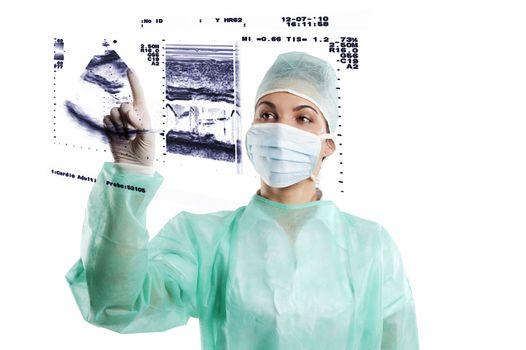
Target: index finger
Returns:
[[136, 89]]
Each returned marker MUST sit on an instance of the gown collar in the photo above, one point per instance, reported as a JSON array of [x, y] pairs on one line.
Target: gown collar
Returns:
[[258, 199]]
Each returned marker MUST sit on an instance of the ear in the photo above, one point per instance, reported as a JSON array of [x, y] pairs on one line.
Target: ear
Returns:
[[328, 148]]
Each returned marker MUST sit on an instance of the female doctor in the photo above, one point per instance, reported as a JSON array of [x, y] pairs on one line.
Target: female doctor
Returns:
[[287, 271]]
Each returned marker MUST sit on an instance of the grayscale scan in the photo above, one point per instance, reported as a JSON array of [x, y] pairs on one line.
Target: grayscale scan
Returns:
[[199, 75]]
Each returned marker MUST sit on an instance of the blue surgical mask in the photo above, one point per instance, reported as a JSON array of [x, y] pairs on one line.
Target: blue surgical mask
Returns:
[[282, 154]]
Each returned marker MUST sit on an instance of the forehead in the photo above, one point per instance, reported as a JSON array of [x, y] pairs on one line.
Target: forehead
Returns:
[[284, 100]]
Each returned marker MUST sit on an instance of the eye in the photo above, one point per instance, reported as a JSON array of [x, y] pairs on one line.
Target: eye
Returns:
[[267, 116], [304, 119]]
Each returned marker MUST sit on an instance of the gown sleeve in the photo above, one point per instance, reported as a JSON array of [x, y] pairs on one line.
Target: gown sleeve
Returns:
[[122, 281], [400, 330]]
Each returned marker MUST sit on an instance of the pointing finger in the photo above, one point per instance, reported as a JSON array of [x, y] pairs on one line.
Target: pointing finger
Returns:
[[136, 89]]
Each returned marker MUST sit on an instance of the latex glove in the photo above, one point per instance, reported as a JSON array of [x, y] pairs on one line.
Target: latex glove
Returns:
[[129, 128]]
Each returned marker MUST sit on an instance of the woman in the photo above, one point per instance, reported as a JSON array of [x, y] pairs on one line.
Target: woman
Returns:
[[287, 271]]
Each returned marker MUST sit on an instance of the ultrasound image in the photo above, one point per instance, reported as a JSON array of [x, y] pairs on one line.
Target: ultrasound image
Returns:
[[203, 93], [108, 71], [102, 85]]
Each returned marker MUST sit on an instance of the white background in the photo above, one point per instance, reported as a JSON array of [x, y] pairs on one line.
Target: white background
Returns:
[[436, 155]]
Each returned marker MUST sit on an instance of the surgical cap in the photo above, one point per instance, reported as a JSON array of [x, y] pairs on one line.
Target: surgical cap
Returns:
[[305, 76]]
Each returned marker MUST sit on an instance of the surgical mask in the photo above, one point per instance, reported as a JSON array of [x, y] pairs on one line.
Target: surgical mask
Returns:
[[282, 154]]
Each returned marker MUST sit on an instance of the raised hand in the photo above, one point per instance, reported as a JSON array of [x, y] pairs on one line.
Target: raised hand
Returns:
[[129, 128]]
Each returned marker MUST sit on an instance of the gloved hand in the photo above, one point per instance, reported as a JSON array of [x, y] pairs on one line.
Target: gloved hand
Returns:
[[129, 129]]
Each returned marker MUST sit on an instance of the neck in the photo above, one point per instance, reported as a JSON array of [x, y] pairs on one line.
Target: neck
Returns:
[[298, 193]]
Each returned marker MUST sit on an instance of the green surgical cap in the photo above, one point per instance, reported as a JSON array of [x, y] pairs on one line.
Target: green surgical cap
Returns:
[[305, 76]]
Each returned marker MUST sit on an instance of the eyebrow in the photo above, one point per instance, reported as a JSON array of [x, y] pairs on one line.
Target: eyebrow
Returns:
[[297, 108]]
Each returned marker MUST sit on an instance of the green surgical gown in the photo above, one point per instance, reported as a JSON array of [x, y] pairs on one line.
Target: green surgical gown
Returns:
[[265, 276]]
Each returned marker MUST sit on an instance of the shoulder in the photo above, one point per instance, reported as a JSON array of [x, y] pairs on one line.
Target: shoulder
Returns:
[[370, 234], [361, 229], [360, 224], [371, 239], [374, 236]]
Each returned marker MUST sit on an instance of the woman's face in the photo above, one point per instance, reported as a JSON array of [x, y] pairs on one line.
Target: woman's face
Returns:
[[287, 108]]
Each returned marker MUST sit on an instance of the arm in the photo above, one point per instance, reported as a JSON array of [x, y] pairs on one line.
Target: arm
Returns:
[[122, 282], [400, 330]]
